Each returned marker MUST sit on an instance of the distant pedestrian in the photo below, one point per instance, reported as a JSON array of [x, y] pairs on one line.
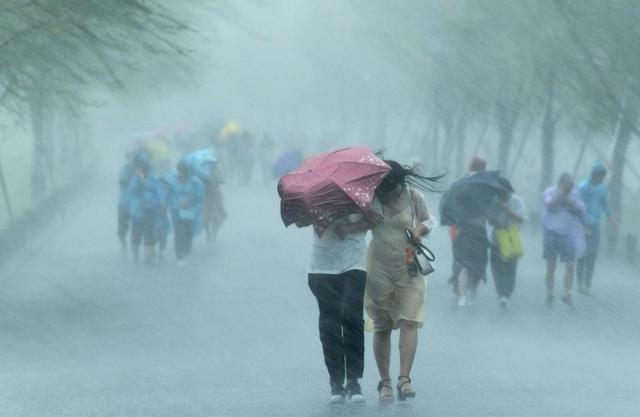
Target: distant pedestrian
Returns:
[[187, 198], [127, 172], [563, 217], [145, 197], [506, 243], [267, 156], [594, 194], [478, 164], [163, 223], [214, 213]]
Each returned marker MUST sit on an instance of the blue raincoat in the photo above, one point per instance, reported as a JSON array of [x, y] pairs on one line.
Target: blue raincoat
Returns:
[[162, 223], [595, 197], [145, 197], [187, 201]]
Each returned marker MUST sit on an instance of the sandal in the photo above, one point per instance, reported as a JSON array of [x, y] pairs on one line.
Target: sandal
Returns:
[[385, 390], [405, 392]]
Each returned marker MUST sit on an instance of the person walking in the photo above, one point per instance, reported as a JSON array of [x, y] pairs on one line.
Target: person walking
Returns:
[[563, 217], [506, 243], [594, 194], [163, 223], [337, 279], [145, 197], [127, 172], [469, 246], [187, 194], [267, 156], [214, 212], [394, 294]]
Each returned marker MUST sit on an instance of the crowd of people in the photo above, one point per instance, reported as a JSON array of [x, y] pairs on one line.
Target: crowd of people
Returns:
[[347, 279], [152, 206], [157, 200]]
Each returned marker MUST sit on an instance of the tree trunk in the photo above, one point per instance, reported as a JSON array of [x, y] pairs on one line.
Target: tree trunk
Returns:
[[448, 140], [506, 125], [5, 194], [434, 147], [616, 183], [461, 141], [38, 169], [548, 137]]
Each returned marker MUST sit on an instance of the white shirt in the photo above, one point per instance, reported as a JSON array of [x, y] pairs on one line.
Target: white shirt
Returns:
[[330, 255]]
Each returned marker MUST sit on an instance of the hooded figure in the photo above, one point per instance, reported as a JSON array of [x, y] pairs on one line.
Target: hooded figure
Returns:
[[187, 198], [594, 194], [145, 199], [127, 172]]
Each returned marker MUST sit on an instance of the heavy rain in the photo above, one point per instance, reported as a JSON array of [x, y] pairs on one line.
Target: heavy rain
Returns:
[[319, 208]]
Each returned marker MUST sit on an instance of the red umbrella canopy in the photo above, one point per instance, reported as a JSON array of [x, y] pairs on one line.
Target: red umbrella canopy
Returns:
[[330, 185]]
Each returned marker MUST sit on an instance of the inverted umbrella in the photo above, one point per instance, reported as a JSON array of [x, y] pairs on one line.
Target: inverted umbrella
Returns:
[[470, 198], [329, 186]]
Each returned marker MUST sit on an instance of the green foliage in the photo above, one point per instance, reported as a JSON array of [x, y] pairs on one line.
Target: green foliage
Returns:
[[60, 47]]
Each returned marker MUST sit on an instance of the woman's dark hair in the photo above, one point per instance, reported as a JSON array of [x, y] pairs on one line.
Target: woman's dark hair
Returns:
[[406, 176]]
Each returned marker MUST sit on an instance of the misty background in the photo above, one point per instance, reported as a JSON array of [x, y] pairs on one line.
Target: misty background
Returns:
[[536, 88]]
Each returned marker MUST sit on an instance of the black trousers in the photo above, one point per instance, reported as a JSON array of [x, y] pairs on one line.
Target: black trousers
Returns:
[[183, 238], [123, 223], [340, 301], [143, 229], [504, 273], [587, 263]]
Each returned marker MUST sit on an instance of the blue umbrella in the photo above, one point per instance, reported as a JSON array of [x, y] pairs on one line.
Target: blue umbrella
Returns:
[[287, 162]]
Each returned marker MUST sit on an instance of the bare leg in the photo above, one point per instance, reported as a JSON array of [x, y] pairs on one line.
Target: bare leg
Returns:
[[382, 352], [568, 278], [463, 287], [463, 282], [551, 269], [408, 344]]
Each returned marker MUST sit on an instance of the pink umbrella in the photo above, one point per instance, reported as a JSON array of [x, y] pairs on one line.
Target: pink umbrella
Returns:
[[331, 185]]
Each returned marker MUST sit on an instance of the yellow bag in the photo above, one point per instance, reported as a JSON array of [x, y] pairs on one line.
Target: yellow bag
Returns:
[[509, 242]]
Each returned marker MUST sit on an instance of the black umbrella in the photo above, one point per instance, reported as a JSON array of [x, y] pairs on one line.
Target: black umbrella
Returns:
[[471, 198]]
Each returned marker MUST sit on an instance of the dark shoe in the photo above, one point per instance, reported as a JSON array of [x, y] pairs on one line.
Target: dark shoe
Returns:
[[404, 388], [549, 300], [337, 394], [567, 300], [354, 392], [504, 303], [385, 390]]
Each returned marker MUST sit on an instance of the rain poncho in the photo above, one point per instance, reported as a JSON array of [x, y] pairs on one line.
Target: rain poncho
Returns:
[[162, 223], [187, 199], [145, 197], [595, 197], [562, 221]]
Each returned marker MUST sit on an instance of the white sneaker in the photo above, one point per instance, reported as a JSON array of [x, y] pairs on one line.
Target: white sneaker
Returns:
[[354, 392], [337, 394], [504, 303], [462, 301]]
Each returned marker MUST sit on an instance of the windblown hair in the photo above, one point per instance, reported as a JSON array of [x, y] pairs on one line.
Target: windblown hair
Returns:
[[406, 175]]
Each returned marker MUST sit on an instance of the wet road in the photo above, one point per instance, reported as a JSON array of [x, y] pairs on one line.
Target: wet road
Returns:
[[234, 333]]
